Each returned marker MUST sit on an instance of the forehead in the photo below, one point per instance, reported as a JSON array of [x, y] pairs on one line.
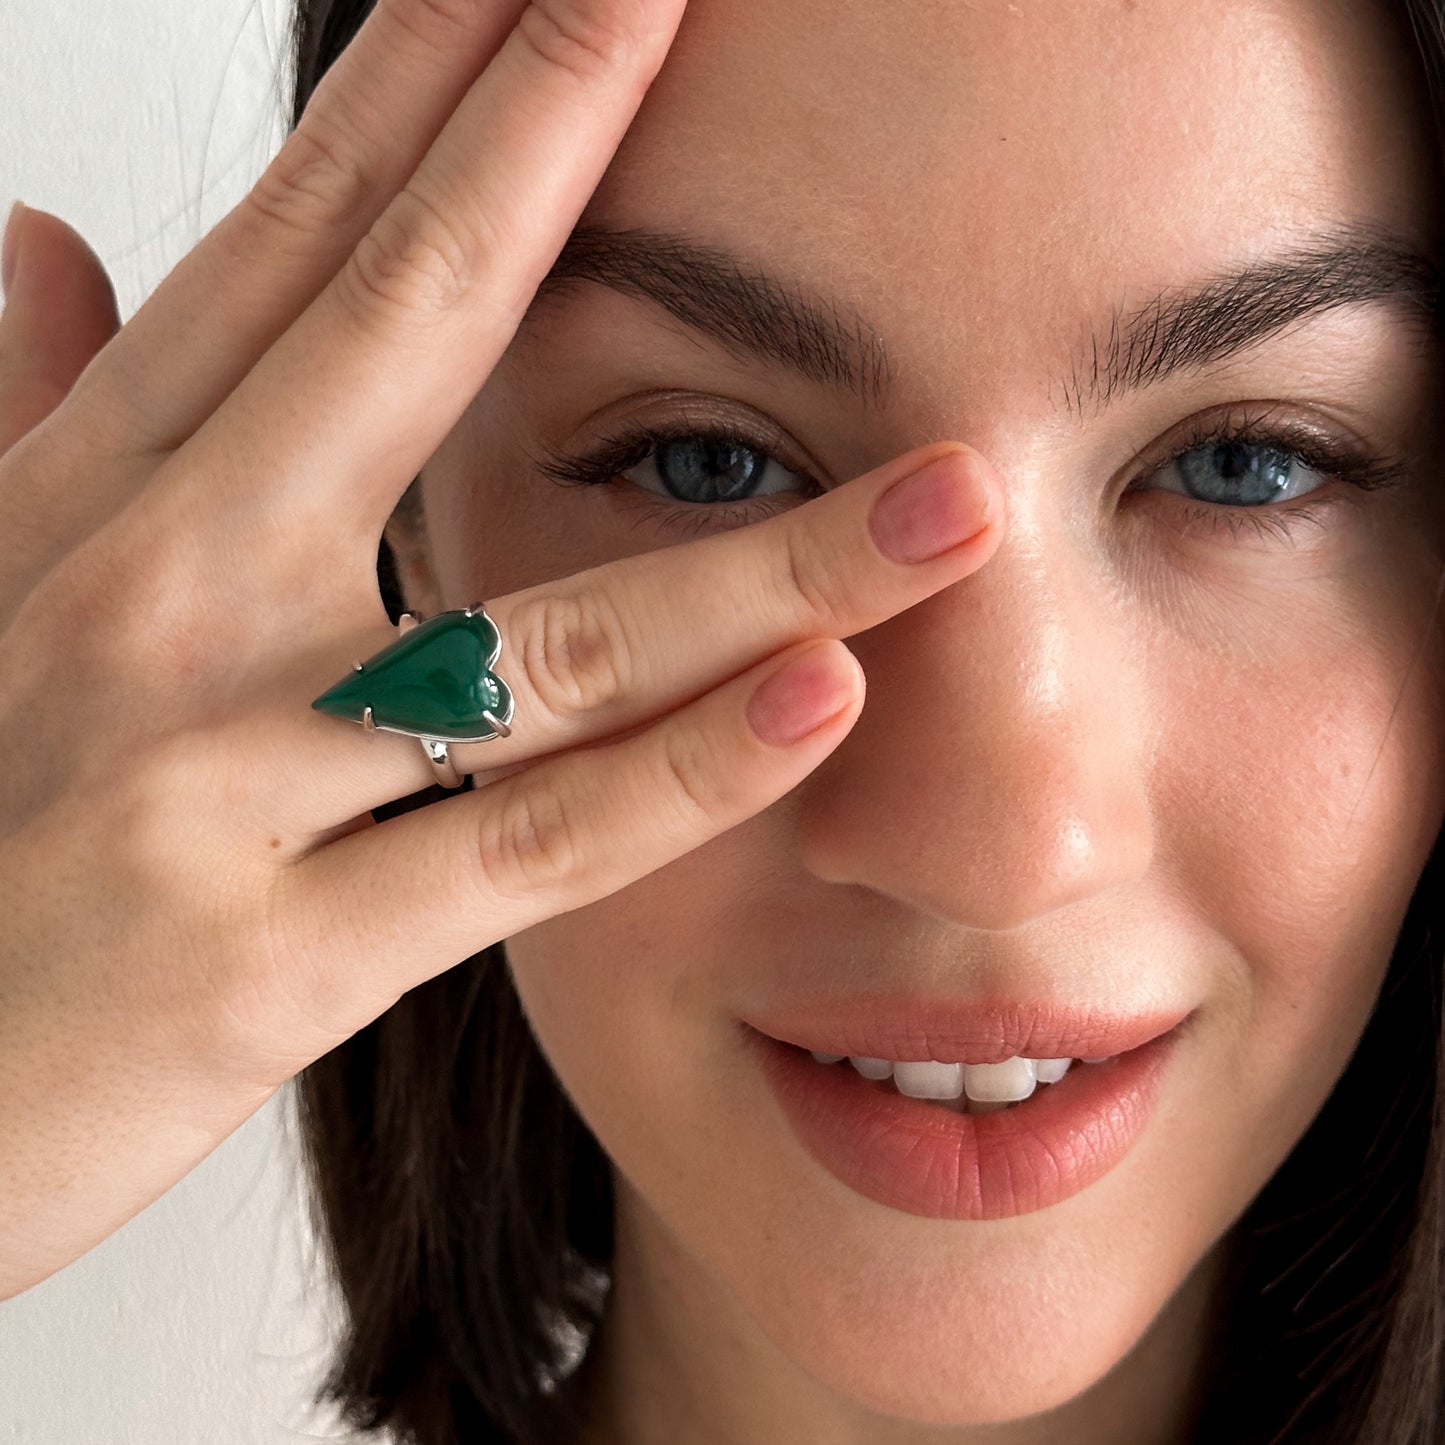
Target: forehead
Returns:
[[997, 171]]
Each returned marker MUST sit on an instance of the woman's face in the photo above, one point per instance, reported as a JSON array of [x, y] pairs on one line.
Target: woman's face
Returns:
[[1176, 746]]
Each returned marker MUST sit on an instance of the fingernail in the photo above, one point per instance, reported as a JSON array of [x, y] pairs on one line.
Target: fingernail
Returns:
[[931, 511], [10, 253], [799, 698]]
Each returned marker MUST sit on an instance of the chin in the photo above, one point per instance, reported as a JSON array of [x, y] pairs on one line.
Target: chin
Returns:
[[951, 1377]]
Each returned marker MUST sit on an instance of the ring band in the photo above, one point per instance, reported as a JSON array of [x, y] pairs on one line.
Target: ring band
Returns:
[[435, 683]]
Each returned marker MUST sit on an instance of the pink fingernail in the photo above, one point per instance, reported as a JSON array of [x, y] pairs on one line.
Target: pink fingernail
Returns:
[[799, 698], [932, 511]]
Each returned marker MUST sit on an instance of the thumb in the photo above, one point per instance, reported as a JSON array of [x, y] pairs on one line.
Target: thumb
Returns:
[[60, 310]]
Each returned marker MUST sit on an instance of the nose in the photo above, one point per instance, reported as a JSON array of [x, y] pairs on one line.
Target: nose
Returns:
[[999, 770]]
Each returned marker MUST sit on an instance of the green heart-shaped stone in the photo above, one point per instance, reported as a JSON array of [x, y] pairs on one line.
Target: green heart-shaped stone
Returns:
[[434, 681]]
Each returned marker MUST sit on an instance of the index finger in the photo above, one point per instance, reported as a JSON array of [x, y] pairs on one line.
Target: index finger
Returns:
[[366, 384], [366, 128]]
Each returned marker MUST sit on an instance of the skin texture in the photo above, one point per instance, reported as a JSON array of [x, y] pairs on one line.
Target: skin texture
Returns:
[[1133, 758]]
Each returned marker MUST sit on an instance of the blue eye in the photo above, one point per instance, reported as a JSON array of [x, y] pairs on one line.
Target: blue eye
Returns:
[[702, 468], [714, 475], [1240, 473], [1238, 468]]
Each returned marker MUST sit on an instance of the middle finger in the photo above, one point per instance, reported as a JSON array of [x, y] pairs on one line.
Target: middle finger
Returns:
[[344, 410], [373, 116]]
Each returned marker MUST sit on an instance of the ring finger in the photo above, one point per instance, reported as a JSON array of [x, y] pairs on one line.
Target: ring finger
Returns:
[[592, 656]]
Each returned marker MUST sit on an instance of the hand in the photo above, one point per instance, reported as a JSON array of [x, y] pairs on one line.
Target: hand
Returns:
[[197, 901]]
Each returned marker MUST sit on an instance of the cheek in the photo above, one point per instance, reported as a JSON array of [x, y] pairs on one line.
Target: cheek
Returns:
[[1300, 793], [614, 993]]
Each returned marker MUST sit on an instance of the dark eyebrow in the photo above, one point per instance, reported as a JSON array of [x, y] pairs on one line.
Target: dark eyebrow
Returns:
[[750, 312], [737, 304], [1187, 329]]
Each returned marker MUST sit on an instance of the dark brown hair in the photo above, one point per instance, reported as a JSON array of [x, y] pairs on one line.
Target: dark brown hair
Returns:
[[466, 1209]]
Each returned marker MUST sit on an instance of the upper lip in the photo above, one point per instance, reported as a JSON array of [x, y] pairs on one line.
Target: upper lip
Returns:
[[913, 1028]]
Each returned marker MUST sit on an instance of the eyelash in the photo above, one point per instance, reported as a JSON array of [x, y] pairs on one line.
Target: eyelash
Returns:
[[1354, 465]]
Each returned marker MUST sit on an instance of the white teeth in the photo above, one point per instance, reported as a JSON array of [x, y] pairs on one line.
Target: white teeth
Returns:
[[1049, 1071], [926, 1079], [993, 1086], [873, 1068], [1008, 1082]]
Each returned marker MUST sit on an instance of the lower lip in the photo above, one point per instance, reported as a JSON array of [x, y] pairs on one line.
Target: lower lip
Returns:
[[925, 1159]]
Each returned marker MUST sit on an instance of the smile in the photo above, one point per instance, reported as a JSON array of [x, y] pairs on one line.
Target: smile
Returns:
[[917, 1140], [971, 1088]]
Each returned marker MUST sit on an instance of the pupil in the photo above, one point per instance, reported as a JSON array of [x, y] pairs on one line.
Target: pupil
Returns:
[[1228, 455], [1250, 473], [707, 469]]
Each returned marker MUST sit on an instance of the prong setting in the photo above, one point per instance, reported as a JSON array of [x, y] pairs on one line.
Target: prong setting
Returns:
[[501, 729]]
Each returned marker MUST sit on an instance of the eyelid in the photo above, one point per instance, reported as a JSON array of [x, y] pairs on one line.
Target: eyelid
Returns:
[[1336, 454], [681, 410], [1281, 418]]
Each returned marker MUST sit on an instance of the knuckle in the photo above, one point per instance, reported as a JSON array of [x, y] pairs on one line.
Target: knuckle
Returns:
[[571, 36], [415, 260], [111, 420], [689, 761], [433, 22], [529, 841], [119, 607], [315, 177], [806, 575], [574, 653]]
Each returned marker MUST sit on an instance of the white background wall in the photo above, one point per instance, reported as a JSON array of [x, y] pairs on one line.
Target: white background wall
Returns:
[[203, 1321]]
